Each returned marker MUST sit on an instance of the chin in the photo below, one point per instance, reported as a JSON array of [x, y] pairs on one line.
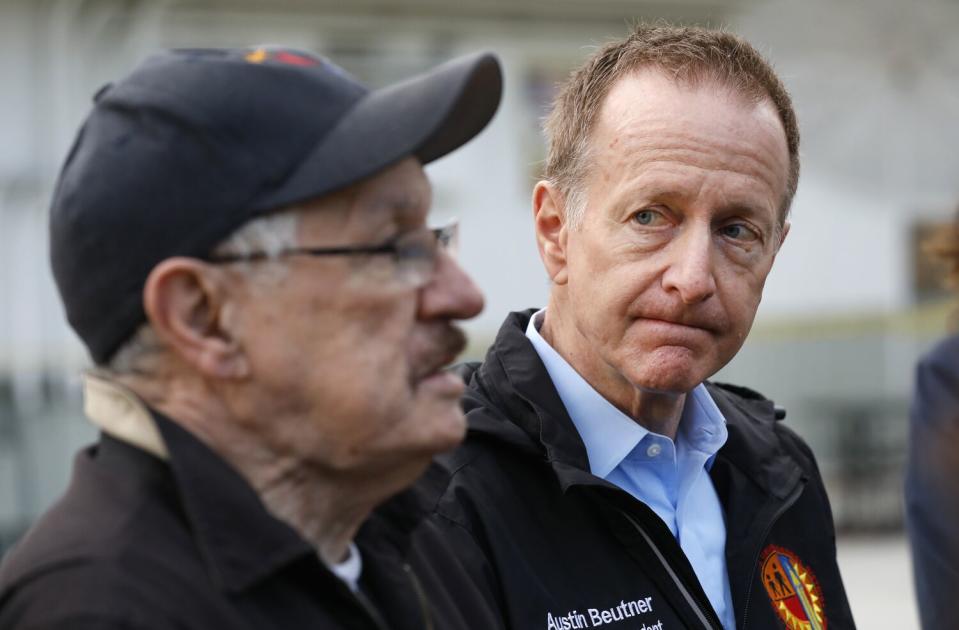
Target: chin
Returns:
[[666, 386], [452, 432], [667, 377], [439, 409]]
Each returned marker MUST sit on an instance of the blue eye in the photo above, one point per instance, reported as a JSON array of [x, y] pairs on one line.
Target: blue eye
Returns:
[[739, 232], [645, 217]]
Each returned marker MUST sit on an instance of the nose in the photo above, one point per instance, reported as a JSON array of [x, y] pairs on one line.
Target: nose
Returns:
[[690, 267], [451, 293]]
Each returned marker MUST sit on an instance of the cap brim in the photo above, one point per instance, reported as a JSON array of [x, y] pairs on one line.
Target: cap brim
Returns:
[[426, 116]]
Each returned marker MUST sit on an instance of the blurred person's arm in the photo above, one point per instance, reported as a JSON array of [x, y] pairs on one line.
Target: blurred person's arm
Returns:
[[932, 486]]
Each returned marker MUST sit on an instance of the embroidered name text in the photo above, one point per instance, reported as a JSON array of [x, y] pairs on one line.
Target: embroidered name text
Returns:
[[595, 617]]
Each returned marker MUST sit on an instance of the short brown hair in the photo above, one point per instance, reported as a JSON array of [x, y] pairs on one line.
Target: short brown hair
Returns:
[[690, 55]]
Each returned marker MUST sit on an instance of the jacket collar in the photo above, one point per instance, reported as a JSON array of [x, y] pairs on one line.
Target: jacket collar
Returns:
[[389, 529], [239, 541], [515, 380], [753, 446], [754, 478]]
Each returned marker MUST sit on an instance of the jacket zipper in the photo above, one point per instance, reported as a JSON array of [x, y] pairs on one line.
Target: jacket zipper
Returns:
[[790, 500], [420, 596], [370, 610], [690, 600]]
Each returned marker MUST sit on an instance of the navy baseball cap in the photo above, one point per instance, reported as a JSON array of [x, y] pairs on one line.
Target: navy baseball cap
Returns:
[[195, 143]]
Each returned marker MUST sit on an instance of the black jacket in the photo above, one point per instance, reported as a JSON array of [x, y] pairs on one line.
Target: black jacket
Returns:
[[138, 543], [552, 546]]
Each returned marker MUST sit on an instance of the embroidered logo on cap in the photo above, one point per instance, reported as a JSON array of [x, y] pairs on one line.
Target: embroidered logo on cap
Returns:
[[290, 58], [793, 590]]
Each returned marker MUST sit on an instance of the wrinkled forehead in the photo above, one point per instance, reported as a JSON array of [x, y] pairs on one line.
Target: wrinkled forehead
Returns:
[[647, 112], [397, 198], [650, 95]]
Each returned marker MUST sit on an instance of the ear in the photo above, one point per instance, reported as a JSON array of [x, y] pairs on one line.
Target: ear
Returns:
[[187, 305], [549, 221]]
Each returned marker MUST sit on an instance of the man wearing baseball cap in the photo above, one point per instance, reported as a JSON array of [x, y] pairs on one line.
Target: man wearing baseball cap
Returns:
[[239, 238]]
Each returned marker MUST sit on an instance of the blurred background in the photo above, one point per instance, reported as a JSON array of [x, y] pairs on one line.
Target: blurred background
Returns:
[[848, 308]]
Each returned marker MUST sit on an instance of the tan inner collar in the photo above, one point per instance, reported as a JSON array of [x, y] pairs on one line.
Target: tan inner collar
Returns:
[[119, 413]]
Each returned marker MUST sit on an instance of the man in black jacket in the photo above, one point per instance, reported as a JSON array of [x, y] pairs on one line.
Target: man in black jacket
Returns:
[[239, 238], [604, 481]]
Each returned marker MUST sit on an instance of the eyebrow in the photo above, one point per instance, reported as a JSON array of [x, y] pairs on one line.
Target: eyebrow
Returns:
[[392, 212], [400, 202], [759, 216], [407, 207], [745, 209]]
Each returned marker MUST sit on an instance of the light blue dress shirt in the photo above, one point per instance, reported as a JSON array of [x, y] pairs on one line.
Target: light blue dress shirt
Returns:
[[670, 477]]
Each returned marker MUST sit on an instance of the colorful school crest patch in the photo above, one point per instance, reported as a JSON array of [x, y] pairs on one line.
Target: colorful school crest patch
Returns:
[[792, 589]]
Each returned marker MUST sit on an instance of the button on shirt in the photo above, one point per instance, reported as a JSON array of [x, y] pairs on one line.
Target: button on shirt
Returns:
[[670, 477]]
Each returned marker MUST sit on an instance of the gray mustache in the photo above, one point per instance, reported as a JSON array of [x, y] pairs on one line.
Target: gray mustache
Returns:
[[447, 342]]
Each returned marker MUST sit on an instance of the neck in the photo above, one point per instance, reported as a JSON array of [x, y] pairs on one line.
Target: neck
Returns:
[[659, 412], [322, 507], [325, 512]]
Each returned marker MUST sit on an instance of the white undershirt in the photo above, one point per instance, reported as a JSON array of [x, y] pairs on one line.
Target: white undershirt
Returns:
[[349, 570]]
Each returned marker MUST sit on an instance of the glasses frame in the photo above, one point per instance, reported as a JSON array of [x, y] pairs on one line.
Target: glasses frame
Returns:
[[444, 235]]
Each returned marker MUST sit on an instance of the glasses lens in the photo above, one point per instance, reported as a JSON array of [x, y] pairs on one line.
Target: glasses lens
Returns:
[[416, 257], [448, 238], [416, 252]]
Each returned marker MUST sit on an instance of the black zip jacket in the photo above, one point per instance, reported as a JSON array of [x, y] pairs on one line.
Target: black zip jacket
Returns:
[[551, 546], [138, 544]]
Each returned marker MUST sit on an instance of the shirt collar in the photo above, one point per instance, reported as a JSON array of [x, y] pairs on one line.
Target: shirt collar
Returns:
[[119, 413], [703, 426], [350, 569], [608, 434]]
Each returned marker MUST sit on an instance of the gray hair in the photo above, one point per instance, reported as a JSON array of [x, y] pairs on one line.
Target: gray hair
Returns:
[[573, 189], [270, 234]]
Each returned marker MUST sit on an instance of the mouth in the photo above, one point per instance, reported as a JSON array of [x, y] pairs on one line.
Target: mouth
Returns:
[[669, 332], [679, 325]]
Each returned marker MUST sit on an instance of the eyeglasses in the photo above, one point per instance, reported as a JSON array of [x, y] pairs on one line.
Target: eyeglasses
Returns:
[[414, 253]]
